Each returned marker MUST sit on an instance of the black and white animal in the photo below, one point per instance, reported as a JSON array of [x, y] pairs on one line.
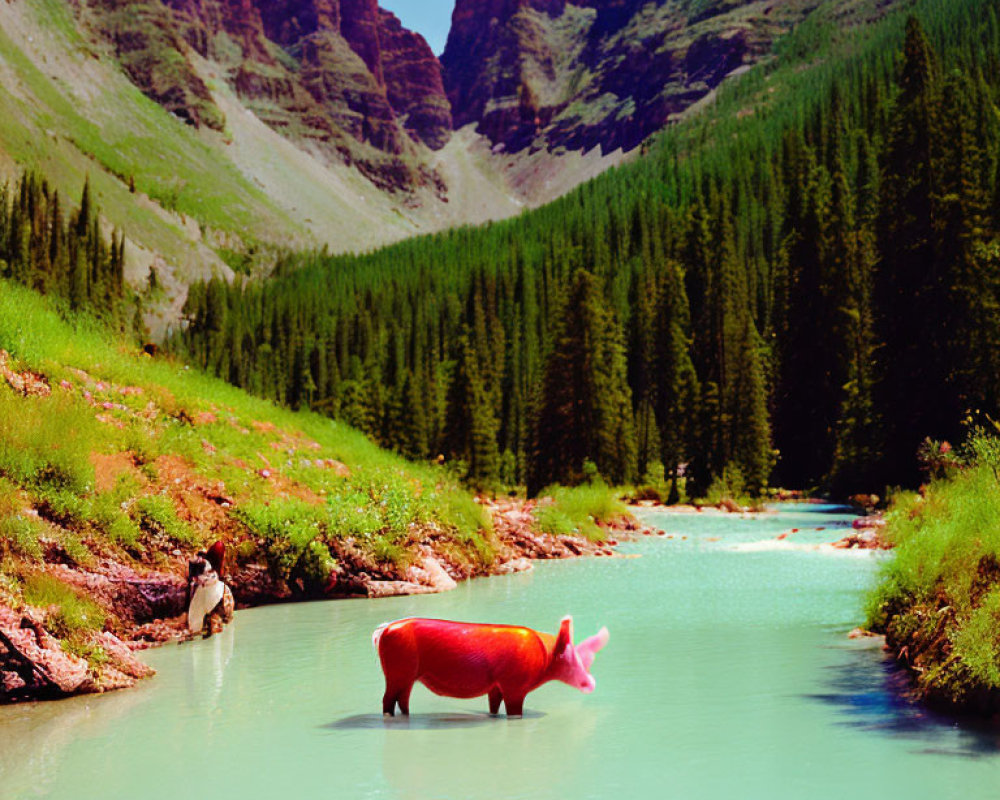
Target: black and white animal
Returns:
[[208, 595]]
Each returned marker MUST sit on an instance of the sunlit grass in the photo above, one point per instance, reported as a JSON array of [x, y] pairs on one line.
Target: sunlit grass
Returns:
[[214, 431], [577, 511], [939, 595], [68, 613]]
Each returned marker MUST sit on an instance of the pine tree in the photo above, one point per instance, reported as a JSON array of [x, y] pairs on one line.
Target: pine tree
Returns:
[[471, 426], [908, 286], [677, 387], [585, 404], [857, 435]]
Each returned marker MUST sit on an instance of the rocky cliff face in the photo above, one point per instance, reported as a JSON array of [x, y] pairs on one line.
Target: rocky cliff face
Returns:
[[146, 44], [342, 75], [586, 73], [414, 83], [345, 78]]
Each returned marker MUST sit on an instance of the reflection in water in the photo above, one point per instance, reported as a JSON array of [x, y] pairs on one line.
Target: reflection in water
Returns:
[[421, 721], [514, 761], [870, 692], [205, 675], [46, 730]]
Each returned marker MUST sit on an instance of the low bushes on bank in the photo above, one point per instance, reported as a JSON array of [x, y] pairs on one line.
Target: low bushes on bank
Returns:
[[938, 602], [578, 510]]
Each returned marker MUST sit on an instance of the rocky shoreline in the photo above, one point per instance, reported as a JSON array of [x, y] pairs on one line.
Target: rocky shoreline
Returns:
[[149, 605], [867, 531]]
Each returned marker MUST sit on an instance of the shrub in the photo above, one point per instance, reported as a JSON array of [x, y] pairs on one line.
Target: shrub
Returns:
[[977, 643], [18, 532], [291, 532], [577, 510], [940, 593], [352, 514], [107, 513], [387, 551], [156, 513], [729, 486]]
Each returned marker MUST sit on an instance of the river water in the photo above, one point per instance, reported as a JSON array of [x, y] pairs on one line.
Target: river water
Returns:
[[728, 675]]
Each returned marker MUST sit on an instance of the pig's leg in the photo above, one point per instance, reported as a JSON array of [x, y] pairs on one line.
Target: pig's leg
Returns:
[[495, 697], [396, 693], [398, 654], [404, 701], [514, 704], [389, 702]]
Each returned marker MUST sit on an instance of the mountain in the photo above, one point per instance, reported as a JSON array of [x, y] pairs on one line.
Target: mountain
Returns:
[[344, 77], [580, 74]]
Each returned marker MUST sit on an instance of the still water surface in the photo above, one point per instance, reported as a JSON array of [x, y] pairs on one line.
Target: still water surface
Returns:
[[728, 675]]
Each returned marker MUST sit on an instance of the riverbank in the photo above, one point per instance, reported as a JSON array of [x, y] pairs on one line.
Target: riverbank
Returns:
[[117, 467], [938, 602], [148, 606]]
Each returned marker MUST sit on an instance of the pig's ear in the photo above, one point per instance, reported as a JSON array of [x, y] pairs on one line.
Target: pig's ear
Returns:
[[565, 637], [589, 648]]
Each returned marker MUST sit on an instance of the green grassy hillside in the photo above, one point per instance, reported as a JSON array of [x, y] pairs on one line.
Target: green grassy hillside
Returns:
[[110, 456]]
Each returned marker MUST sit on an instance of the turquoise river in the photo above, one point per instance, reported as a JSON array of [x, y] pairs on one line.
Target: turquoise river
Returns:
[[728, 675]]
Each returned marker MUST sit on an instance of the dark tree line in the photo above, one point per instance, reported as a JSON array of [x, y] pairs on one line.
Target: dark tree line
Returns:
[[56, 249], [801, 295]]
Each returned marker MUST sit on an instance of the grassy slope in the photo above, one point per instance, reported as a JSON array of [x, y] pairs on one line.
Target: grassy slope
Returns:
[[939, 599], [142, 461]]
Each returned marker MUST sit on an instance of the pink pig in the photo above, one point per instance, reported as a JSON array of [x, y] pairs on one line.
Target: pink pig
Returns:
[[465, 659]]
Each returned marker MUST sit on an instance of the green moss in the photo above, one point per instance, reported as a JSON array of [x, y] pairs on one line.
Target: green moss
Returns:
[[156, 514], [977, 642], [19, 532], [37, 452], [290, 531]]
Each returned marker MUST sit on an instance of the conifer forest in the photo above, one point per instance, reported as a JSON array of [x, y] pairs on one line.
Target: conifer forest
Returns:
[[797, 295]]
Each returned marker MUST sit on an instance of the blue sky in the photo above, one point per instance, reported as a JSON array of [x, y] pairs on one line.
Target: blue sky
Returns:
[[432, 18]]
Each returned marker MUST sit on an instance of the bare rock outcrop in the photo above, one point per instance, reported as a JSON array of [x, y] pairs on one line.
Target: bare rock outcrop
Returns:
[[414, 83], [585, 73], [343, 76], [34, 664]]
